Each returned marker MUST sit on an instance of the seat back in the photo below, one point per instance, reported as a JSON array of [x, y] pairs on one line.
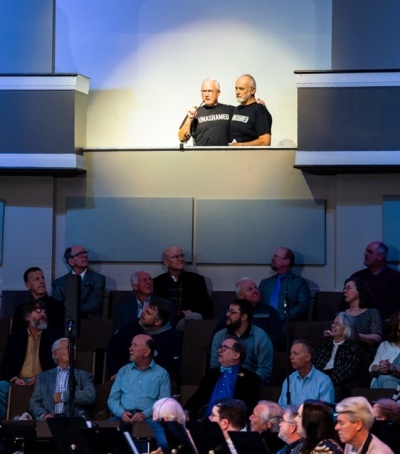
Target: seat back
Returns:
[[95, 334], [327, 305], [311, 331], [221, 299], [10, 299], [116, 297], [198, 334], [193, 367], [100, 410], [18, 400]]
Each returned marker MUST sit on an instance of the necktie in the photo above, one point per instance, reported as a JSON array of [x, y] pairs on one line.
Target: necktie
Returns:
[[226, 369], [275, 294]]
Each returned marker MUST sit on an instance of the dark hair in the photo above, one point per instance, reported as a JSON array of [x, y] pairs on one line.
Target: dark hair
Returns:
[[30, 306], [29, 271], [151, 344], [308, 346], [234, 410], [68, 254], [289, 255], [163, 309], [239, 347], [393, 327], [364, 292], [318, 424], [245, 307]]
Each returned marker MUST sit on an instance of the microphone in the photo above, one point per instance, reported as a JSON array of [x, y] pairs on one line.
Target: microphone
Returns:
[[183, 122]]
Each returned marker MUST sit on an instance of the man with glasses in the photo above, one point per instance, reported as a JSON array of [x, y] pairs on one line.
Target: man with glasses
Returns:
[[286, 288], [239, 324], [92, 285], [265, 420], [187, 291], [229, 380], [209, 123], [28, 351], [288, 432]]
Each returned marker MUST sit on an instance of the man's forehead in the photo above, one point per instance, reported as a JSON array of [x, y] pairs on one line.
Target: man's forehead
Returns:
[[76, 249], [144, 275], [247, 283], [229, 342], [35, 274]]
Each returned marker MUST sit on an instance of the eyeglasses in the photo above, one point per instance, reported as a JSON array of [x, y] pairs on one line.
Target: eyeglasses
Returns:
[[177, 256], [230, 311], [207, 92], [278, 257], [39, 310], [225, 347], [288, 422], [80, 254]]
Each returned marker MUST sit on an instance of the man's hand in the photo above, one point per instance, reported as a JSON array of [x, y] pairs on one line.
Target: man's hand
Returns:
[[187, 313], [127, 417], [139, 416], [57, 398], [192, 112]]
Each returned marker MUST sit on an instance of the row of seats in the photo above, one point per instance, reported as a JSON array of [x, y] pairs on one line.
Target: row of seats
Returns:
[[324, 306]]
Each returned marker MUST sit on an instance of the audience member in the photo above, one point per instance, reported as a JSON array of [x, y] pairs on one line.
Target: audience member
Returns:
[[285, 289], [383, 281], [139, 384], [36, 284], [354, 421], [154, 321], [230, 415], [265, 419], [251, 122], [264, 316], [340, 355], [28, 351], [51, 395], [230, 380], [169, 438], [368, 320], [239, 324], [386, 365], [306, 382], [131, 309], [288, 432], [315, 423], [386, 410], [92, 285], [209, 123], [186, 290]]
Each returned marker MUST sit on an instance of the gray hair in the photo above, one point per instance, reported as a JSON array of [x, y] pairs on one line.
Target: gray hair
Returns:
[[135, 276], [210, 79], [169, 409], [271, 412], [56, 346], [349, 325], [357, 409], [240, 282]]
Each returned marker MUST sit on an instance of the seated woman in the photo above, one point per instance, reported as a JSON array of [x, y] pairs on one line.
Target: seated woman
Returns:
[[340, 355], [169, 428], [385, 367], [315, 424], [358, 296]]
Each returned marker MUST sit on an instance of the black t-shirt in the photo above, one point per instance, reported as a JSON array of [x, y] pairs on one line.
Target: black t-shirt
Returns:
[[250, 122], [210, 127]]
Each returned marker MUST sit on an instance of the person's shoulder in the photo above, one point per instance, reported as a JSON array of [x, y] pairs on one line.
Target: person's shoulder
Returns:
[[161, 277], [94, 274], [362, 274], [191, 275], [260, 335], [61, 280]]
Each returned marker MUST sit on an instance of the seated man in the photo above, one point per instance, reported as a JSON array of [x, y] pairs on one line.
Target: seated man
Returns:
[[154, 321], [28, 351], [230, 415], [265, 420], [187, 291], [306, 382], [288, 432], [264, 316], [230, 380], [92, 285], [51, 394], [36, 284], [285, 289], [138, 385], [239, 324]]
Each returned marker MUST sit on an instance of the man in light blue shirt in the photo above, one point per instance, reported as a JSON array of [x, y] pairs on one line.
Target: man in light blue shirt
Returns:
[[139, 384], [306, 382]]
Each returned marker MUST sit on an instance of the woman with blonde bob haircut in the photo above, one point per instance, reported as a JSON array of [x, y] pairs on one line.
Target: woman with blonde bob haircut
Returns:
[[354, 421]]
